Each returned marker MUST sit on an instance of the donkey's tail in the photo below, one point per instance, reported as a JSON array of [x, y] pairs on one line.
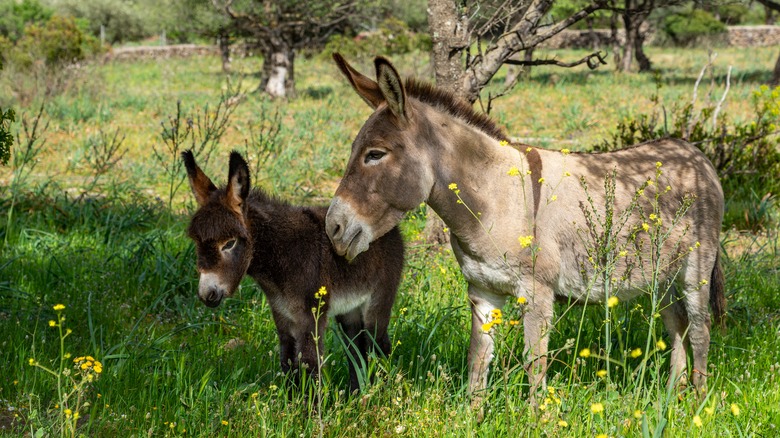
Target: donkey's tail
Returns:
[[717, 294]]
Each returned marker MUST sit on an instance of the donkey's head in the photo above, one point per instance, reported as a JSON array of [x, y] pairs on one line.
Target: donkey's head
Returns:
[[219, 229], [388, 173]]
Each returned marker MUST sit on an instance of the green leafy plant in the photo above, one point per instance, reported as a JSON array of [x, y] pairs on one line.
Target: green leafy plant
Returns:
[[6, 138]]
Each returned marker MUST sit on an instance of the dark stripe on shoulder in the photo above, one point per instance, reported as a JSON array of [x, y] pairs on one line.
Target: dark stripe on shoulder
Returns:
[[535, 166]]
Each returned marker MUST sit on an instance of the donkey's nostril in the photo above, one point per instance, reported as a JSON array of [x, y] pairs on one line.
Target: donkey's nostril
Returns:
[[336, 230]]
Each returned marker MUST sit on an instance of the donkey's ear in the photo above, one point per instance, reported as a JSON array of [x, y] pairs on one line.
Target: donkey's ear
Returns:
[[201, 185], [238, 182], [365, 87], [391, 86]]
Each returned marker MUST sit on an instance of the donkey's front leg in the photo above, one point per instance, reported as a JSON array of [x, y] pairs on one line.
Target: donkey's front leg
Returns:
[[537, 321], [481, 346]]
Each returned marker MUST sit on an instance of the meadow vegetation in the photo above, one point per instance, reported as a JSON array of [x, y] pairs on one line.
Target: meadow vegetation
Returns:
[[103, 333]]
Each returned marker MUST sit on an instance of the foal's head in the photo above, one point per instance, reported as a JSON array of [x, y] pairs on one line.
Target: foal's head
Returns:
[[219, 229]]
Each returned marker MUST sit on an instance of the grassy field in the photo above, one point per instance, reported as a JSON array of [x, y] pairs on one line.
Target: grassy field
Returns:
[[118, 260]]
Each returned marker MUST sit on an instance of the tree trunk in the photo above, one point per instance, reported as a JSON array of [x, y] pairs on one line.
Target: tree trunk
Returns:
[[629, 44], [639, 51], [776, 73], [278, 76], [450, 34], [223, 41]]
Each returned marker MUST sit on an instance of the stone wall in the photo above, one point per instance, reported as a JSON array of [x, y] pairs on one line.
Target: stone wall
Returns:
[[753, 36], [157, 52]]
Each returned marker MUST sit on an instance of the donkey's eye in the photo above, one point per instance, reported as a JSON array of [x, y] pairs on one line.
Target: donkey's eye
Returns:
[[374, 155], [229, 245]]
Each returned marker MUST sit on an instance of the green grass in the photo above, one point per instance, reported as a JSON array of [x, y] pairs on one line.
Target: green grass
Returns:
[[122, 266]]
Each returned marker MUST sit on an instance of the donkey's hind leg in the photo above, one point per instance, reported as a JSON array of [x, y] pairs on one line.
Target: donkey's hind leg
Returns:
[[676, 322], [697, 308], [352, 325]]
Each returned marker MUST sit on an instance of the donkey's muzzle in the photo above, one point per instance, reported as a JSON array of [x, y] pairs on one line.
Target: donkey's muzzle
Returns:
[[347, 233]]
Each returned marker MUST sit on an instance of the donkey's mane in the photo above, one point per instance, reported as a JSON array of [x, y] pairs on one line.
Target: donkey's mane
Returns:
[[453, 105]]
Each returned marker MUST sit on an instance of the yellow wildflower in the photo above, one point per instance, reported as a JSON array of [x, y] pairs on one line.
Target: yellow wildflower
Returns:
[[453, 186], [503, 142], [495, 314], [697, 420], [528, 149], [565, 151], [638, 414], [623, 253], [601, 373], [541, 180], [567, 173], [225, 423], [636, 352], [661, 345], [513, 171], [59, 307], [734, 409], [563, 423], [709, 410], [658, 164], [597, 408], [31, 362], [525, 241], [553, 198], [514, 322], [68, 412], [612, 302], [521, 300], [52, 323], [585, 352], [602, 435], [645, 226], [487, 326]]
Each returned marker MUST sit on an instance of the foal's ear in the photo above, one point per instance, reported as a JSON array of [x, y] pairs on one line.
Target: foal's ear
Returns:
[[365, 87], [238, 182], [391, 86], [201, 184]]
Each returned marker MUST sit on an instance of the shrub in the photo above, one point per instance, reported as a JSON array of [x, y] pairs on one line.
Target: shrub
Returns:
[[14, 16], [392, 37], [122, 20], [686, 29]]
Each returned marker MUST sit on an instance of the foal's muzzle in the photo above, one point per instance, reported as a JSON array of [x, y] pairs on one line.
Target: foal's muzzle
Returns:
[[210, 290]]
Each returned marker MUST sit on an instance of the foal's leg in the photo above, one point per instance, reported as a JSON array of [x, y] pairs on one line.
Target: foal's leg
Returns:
[[376, 317], [352, 324], [481, 346], [308, 346]]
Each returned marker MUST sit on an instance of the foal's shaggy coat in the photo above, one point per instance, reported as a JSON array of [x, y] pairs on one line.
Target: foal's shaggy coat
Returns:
[[285, 249]]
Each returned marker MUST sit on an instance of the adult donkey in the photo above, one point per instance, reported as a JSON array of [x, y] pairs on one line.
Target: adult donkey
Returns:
[[240, 232], [519, 216]]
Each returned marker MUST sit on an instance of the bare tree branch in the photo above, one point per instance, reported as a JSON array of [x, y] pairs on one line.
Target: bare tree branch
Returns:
[[593, 61]]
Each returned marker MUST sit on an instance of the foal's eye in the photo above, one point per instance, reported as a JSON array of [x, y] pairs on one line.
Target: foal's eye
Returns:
[[229, 245], [374, 155]]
